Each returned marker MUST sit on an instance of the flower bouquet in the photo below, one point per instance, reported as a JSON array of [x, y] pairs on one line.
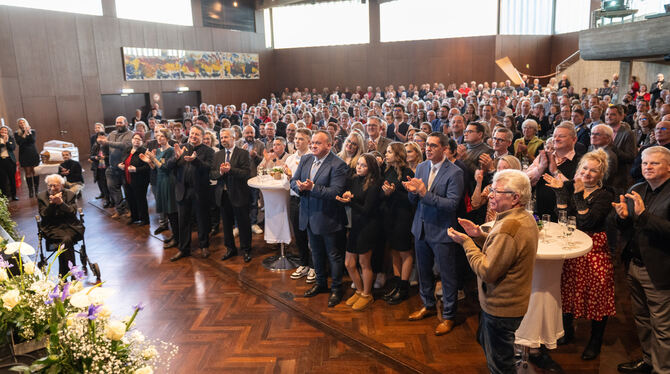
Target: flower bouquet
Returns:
[[79, 333], [277, 172]]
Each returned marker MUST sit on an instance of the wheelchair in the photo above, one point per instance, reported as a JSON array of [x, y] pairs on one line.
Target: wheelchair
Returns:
[[52, 246]]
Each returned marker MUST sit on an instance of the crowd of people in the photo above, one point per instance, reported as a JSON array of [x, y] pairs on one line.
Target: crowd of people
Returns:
[[387, 181]]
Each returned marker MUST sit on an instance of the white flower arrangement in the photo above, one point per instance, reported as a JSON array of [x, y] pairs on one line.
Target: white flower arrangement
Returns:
[[81, 334]]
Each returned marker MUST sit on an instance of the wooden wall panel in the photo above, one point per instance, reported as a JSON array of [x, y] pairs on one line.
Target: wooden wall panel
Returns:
[[71, 119], [42, 113], [63, 50], [32, 53], [7, 57]]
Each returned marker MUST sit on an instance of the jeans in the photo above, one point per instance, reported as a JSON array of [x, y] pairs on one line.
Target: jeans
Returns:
[[496, 336], [300, 236], [444, 254], [114, 182], [323, 246], [253, 208]]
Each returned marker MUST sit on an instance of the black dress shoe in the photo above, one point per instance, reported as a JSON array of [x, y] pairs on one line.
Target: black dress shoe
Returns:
[[205, 253], [107, 204], [247, 257], [170, 244], [545, 362], [179, 256], [99, 197], [229, 254], [638, 366], [160, 229], [315, 290], [14, 198], [334, 298], [141, 223], [131, 222]]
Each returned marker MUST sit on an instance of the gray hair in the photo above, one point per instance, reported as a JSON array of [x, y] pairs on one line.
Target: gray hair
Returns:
[[568, 126], [57, 177], [229, 130], [604, 128], [530, 123], [664, 152], [517, 181]]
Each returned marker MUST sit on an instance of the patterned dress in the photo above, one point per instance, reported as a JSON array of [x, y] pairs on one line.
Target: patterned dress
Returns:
[[587, 282]]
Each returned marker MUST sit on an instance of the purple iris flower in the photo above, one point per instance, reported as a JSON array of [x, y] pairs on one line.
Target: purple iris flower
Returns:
[[92, 312], [53, 295], [4, 264], [139, 306], [66, 292], [77, 273]]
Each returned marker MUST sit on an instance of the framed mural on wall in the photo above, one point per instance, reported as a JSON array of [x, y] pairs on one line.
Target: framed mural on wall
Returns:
[[175, 64]]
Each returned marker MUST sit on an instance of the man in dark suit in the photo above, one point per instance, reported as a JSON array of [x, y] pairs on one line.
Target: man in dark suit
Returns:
[[58, 211], [526, 107], [643, 216], [437, 191], [231, 170], [321, 177], [583, 132], [192, 164]]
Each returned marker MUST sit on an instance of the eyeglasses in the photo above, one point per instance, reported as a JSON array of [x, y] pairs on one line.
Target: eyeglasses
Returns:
[[499, 140], [495, 192], [432, 145], [597, 134], [468, 131]]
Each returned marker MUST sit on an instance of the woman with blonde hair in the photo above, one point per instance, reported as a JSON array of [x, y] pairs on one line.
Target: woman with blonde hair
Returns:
[[414, 155], [353, 148], [587, 282], [29, 157]]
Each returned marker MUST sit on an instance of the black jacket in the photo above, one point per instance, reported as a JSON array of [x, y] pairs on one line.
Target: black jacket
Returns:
[[235, 181]]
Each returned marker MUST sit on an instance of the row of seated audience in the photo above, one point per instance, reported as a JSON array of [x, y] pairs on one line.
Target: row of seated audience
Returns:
[[409, 171]]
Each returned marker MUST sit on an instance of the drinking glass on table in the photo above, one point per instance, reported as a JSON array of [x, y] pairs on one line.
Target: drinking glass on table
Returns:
[[546, 218], [563, 221], [572, 226]]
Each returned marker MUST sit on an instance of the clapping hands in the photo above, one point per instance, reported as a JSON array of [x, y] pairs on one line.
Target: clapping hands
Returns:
[[415, 185], [307, 185], [388, 188], [345, 198]]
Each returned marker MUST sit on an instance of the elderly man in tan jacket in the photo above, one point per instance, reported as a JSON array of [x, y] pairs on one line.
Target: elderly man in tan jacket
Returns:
[[504, 266]]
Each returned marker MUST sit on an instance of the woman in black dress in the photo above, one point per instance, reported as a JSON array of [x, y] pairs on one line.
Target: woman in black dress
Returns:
[[7, 163], [398, 215], [362, 196], [28, 155], [136, 181]]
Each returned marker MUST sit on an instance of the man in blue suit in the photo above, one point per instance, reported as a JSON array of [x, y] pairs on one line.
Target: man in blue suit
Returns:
[[436, 190], [319, 178]]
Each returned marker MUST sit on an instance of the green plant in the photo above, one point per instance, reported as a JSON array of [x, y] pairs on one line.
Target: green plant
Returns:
[[6, 221]]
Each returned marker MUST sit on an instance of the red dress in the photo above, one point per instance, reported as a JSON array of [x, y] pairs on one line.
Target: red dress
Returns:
[[587, 282]]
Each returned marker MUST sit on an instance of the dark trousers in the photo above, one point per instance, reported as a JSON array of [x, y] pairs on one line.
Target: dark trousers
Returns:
[[253, 205], [68, 238], [193, 203], [651, 312], [325, 246], [496, 336], [231, 214], [114, 182], [136, 197], [300, 235], [7, 181], [101, 179], [173, 218], [427, 253], [214, 215]]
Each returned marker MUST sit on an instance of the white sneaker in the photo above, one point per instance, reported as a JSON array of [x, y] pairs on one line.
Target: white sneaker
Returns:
[[311, 276], [300, 272], [353, 285], [256, 229], [236, 232], [380, 280]]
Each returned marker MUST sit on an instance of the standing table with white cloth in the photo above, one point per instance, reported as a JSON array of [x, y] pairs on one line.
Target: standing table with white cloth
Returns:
[[277, 225]]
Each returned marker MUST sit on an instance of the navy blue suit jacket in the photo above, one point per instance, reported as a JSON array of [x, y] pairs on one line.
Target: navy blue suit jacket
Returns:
[[318, 207], [436, 211]]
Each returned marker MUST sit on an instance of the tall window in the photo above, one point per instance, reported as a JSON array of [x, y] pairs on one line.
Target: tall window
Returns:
[[177, 12], [646, 7], [435, 19], [526, 17], [92, 7], [312, 25], [267, 23], [572, 15]]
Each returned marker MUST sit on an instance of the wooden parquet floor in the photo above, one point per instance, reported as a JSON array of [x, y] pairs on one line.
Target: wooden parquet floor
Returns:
[[232, 317]]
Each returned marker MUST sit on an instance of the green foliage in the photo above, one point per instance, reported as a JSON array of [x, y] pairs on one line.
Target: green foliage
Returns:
[[6, 221]]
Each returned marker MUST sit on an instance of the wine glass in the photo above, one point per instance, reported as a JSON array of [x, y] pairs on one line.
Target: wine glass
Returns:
[[572, 226], [546, 218]]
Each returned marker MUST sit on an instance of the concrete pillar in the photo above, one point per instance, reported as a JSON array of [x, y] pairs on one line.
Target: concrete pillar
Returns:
[[625, 68]]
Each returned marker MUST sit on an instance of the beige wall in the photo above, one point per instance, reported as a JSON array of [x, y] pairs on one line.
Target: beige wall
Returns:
[[591, 73], [646, 72]]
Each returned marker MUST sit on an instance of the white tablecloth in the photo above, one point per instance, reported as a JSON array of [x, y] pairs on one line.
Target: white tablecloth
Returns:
[[543, 323], [275, 197]]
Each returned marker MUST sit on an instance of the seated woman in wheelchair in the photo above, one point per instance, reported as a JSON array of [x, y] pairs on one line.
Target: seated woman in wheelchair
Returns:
[[60, 224]]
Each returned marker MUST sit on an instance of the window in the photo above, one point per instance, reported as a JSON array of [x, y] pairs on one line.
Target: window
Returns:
[[572, 15], [526, 17], [177, 12], [435, 19], [312, 25], [267, 22], [647, 7], [92, 7]]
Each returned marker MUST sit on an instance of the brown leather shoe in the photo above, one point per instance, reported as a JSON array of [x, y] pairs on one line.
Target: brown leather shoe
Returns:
[[422, 313], [444, 327]]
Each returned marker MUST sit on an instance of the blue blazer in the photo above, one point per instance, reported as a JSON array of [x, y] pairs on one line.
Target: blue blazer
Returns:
[[318, 207], [436, 211]]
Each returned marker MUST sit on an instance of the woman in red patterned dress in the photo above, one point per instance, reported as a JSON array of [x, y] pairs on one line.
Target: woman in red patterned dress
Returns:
[[587, 282]]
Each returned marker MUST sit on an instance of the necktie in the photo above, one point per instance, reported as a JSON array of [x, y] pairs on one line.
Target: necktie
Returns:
[[431, 177], [315, 168], [227, 155]]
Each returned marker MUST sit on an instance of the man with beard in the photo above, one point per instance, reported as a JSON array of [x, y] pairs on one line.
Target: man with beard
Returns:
[[117, 141]]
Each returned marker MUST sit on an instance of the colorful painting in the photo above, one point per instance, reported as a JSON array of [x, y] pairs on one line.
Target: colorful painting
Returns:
[[171, 64]]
